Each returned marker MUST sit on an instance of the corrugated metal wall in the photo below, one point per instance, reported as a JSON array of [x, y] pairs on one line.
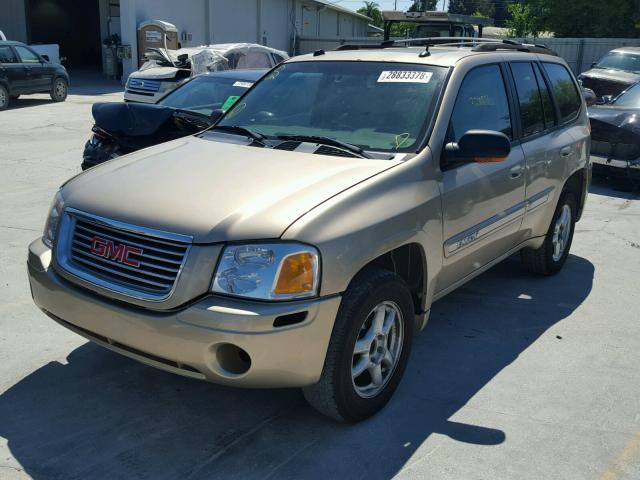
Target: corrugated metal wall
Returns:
[[580, 53], [12, 20]]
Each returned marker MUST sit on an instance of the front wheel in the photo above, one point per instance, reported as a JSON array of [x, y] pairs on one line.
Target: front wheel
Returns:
[[551, 256], [368, 350], [59, 90], [4, 98]]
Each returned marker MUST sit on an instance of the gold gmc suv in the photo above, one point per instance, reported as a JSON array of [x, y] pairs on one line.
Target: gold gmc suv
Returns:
[[301, 241]]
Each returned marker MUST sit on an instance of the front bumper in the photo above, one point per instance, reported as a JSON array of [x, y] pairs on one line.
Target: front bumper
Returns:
[[616, 168], [200, 340]]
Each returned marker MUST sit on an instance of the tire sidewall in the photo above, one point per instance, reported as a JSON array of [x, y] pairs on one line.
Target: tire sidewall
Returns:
[[355, 407], [569, 199], [6, 97], [54, 95]]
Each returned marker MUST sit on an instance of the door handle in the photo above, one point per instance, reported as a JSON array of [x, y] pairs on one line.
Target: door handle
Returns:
[[515, 172], [565, 152]]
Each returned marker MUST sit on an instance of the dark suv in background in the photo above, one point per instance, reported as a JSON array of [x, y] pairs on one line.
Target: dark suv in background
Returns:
[[24, 71]]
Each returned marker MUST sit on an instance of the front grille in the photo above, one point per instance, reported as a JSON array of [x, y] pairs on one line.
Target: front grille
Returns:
[[130, 260], [604, 87], [144, 87]]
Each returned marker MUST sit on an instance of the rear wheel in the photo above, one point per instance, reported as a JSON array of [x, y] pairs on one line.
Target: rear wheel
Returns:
[[4, 98], [59, 90], [551, 256], [369, 348]]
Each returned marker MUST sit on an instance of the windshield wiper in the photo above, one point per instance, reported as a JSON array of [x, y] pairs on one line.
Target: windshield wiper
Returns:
[[255, 136], [325, 141]]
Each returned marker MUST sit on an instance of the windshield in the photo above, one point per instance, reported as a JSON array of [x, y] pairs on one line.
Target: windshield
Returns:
[[620, 61], [630, 98], [205, 94], [373, 105]]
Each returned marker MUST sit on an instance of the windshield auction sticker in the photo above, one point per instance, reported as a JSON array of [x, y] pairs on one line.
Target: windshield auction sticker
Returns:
[[404, 76]]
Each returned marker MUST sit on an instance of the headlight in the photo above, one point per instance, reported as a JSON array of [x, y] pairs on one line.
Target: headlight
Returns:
[[53, 220], [280, 271]]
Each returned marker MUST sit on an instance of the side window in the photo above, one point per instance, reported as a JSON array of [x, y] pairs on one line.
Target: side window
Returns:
[[481, 104], [277, 58], [254, 60], [547, 104], [7, 55], [26, 55], [531, 113], [564, 91]]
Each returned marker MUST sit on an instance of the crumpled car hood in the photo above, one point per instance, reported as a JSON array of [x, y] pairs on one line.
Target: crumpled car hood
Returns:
[[215, 191], [131, 119], [619, 76], [615, 132], [156, 73]]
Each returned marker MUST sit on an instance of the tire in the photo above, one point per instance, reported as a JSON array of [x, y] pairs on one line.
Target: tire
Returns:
[[338, 394], [59, 90], [4, 98], [551, 256]]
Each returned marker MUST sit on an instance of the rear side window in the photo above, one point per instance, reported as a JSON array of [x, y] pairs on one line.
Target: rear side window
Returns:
[[531, 112], [481, 104], [564, 90], [27, 56], [7, 55], [547, 104]]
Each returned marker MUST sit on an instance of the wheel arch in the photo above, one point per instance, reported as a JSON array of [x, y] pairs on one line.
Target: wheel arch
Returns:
[[409, 262], [578, 183]]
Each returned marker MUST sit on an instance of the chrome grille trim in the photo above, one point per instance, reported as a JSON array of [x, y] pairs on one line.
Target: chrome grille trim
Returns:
[[159, 271]]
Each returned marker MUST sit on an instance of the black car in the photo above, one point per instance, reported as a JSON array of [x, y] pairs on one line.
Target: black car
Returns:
[[125, 127], [615, 136], [24, 71], [613, 73]]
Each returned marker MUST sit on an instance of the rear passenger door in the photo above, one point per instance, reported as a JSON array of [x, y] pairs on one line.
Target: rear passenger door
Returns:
[[549, 107], [482, 203]]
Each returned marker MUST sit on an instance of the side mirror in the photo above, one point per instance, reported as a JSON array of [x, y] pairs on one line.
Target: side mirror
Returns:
[[46, 58], [480, 146], [589, 96], [607, 98], [216, 115]]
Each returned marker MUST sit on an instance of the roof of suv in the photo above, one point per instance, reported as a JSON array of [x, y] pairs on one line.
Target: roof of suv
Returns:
[[11, 42], [439, 55], [635, 50]]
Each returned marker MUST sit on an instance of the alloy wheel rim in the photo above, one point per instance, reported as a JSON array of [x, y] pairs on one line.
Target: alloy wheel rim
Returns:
[[60, 89], [561, 232], [3, 98], [377, 350]]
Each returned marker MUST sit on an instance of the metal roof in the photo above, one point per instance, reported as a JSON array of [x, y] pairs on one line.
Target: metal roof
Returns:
[[338, 8]]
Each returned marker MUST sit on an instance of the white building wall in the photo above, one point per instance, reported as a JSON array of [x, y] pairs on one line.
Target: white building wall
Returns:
[[234, 21], [277, 24], [188, 16], [328, 23], [12, 20], [346, 26]]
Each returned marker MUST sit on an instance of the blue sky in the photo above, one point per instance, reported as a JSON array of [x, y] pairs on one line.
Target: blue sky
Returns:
[[384, 4]]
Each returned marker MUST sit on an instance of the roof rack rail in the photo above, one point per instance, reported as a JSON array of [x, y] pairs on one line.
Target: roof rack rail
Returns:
[[477, 44]]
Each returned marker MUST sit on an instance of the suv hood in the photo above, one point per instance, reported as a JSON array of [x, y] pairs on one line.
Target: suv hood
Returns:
[[215, 191], [156, 73]]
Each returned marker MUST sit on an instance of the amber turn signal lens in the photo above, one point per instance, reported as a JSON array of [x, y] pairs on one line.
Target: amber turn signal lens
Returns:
[[297, 274]]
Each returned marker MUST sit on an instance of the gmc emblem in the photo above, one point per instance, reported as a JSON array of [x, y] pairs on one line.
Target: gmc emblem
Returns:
[[104, 248]]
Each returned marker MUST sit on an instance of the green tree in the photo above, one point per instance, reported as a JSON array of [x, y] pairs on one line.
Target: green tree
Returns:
[[522, 22], [580, 18], [423, 5], [372, 10]]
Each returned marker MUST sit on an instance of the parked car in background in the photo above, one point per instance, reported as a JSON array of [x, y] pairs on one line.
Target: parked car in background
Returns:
[[24, 71], [122, 128], [615, 136], [165, 69], [301, 240], [613, 73]]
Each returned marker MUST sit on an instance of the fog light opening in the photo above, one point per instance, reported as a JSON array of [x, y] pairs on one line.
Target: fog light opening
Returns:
[[233, 359]]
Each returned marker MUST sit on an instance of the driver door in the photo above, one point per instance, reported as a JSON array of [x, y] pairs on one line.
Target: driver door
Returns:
[[483, 203]]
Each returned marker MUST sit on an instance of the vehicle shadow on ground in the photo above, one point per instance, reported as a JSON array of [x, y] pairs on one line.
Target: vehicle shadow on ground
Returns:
[[627, 190], [24, 102], [104, 416]]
